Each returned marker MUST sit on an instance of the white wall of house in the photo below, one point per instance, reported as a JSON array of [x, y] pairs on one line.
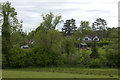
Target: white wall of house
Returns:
[[84, 39], [25, 46], [96, 38], [91, 39]]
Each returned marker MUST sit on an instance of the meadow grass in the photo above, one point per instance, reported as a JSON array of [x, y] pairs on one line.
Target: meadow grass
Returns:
[[57, 72]]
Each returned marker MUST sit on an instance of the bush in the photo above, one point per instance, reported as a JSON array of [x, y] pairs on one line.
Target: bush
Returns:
[[29, 58], [112, 57], [46, 57], [95, 63], [84, 58], [4, 61], [94, 53], [17, 57]]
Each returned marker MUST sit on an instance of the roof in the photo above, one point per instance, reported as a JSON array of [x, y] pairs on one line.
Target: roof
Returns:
[[83, 44], [24, 46], [68, 35], [91, 36]]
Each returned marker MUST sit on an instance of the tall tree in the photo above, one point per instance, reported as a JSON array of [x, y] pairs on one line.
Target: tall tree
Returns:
[[48, 45], [85, 28], [112, 49], [10, 24], [50, 21], [100, 25], [94, 53], [69, 27], [68, 46]]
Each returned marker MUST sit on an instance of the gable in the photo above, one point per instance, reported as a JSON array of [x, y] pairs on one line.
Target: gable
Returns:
[[91, 38], [86, 39]]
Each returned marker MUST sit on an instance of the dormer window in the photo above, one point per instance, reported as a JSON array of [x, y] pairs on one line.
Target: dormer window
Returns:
[[86, 38], [91, 38], [95, 39]]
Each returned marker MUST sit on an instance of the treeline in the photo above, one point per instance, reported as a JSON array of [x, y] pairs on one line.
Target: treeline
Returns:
[[50, 47]]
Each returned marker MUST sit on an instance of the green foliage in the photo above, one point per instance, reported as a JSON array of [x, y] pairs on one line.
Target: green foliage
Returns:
[[17, 57], [112, 56], [10, 25], [43, 59], [9, 16], [50, 47], [94, 53], [99, 24], [50, 21], [4, 61], [46, 58], [85, 29], [101, 61], [95, 63], [18, 38], [68, 45], [29, 61], [85, 26], [69, 27], [84, 58], [112, 53]]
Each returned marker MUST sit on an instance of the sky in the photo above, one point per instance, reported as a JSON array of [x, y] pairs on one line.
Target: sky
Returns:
[[30, 11]]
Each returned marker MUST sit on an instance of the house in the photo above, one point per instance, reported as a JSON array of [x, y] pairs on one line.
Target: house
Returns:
[[88, 38], [91, 38], [31, 41], [83, 45], [25, 46], [68, 35]]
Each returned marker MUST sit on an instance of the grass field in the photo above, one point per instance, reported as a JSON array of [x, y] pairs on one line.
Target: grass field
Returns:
[[59, 73]]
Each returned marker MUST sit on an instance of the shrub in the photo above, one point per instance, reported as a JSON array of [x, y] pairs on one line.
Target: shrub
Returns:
[[29, 58], [84, 58], [17, 57], [112, 57], [46, 57], [94, 53], [4, 61], [95, 63]]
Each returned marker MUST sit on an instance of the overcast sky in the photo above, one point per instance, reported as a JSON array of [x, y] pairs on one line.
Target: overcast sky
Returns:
[[30, 11]]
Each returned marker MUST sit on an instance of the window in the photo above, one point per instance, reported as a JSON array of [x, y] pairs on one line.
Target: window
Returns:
[[86, 38], [96, 39]]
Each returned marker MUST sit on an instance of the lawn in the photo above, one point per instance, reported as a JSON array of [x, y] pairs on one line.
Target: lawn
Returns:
[[59, 73]]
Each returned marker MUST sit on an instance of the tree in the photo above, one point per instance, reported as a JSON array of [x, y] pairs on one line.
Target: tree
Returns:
[[68, 47], [69, 27], [17, 57], [94, 53], [50, 21], [10, 24], [85, 25], [100, 25], [112, 50], [18, 38], [85, 29], [48, 47]]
